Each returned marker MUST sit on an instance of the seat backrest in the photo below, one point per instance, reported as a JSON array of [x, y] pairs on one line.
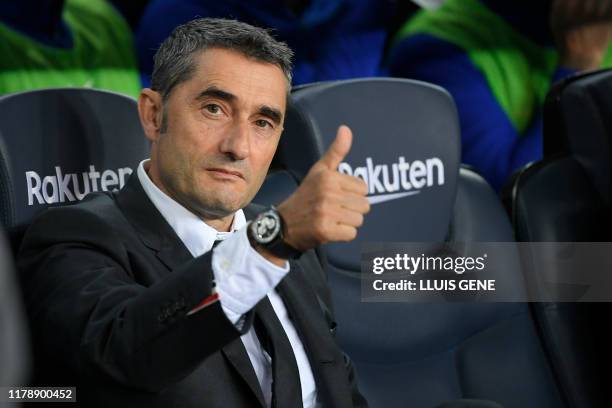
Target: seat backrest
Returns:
[[577, 122], [567, 198], [555, 201], [56, 145], [278, 185], [15, 356], [406, 146]]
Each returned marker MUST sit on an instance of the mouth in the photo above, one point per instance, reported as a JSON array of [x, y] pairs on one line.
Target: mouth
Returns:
[[225, 172]]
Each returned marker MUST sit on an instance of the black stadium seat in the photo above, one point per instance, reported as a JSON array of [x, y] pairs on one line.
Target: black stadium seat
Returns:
[[14, 342], [416, 354], [55, 146], [567, 197], [58, 144]]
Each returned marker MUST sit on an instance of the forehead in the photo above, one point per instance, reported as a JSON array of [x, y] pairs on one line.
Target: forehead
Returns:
[[251, 81]]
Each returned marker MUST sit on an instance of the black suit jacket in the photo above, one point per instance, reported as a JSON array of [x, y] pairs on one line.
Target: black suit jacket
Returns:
[[108, 284]]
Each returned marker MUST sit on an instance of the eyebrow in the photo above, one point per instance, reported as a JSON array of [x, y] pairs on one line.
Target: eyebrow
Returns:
[[217, 93], [274, 114]]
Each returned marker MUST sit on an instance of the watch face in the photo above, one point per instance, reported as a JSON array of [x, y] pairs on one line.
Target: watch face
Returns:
[[266, 227]]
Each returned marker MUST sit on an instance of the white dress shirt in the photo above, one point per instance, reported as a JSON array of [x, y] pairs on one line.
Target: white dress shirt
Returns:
[[242, 276]]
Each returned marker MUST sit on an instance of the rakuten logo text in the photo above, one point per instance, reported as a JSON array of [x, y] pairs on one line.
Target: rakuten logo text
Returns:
[[59, 188], [389, 182]]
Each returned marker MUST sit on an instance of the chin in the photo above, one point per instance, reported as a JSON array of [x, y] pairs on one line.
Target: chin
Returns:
[[224, 207]]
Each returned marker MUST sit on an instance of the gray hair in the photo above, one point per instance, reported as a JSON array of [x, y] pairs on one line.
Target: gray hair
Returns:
[[174, 60]]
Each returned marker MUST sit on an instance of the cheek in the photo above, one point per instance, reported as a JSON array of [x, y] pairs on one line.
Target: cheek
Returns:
[[261, 161], [177, 162]]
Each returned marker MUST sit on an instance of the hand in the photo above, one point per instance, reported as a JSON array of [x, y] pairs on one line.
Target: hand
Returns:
[[328, 205], [582, 30]]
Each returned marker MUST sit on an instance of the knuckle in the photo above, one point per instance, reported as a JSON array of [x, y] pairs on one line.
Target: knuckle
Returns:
[[312, 174], [327, 179], [318, 194], [363, 187], [320, 230], [320, 208], [342, 178], [315, 176], [351, 234], [366, 206]]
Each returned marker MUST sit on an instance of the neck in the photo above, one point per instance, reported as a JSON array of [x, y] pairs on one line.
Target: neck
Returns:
[[221, 223]]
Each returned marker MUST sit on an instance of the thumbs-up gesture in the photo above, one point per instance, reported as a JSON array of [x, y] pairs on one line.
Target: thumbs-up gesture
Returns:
[[328, 205]]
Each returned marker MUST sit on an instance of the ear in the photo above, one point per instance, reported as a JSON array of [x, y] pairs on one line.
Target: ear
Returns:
[[150, 110]]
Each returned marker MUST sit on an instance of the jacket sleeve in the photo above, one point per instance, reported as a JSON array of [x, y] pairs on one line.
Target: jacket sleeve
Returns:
[[85, 304], [359, 400]]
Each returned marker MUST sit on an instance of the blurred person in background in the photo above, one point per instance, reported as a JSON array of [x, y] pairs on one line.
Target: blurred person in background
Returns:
[[332, 39], [65, 43], [498, 59]]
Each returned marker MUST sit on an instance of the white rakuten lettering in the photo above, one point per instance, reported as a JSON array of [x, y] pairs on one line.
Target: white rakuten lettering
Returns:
[[401, 178], [68, 187]]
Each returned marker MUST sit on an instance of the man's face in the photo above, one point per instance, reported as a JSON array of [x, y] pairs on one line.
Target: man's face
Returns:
[[223, 127]]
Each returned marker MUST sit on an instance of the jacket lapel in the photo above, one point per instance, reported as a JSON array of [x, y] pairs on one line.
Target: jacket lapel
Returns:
[[151, 226], [325, 360], [237, 356], [159, 236], [303, 307]]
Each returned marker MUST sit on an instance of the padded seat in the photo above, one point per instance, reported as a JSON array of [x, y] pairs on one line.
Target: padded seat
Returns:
[[567, 198], [418, 354], [56, 145]]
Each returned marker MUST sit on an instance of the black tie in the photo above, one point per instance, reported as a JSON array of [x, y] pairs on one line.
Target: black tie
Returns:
[[286, 387]]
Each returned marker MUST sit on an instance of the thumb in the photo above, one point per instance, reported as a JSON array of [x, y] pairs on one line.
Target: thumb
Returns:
[[339, 148]]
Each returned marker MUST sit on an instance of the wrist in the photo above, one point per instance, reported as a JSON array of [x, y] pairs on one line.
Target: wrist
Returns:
[[266, 233], [261, 250]]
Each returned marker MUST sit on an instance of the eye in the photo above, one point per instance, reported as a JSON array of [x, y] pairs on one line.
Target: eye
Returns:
[[213, 108], [263, 123]]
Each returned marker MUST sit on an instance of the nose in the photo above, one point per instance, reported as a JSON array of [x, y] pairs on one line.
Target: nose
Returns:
[[236, 143]]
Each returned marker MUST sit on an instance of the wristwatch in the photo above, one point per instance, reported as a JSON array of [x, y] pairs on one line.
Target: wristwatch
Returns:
[[266, 230]]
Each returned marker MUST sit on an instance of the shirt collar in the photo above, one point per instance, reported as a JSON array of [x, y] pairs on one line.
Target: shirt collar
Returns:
[[197, 236]]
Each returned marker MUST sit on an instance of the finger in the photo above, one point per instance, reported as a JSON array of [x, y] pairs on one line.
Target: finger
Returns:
[[350, 218], [340, 200], [355, 202], [352, 184], [343, 233], [339, 148]]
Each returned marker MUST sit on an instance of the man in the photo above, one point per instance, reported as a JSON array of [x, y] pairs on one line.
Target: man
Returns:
[[130, 298]]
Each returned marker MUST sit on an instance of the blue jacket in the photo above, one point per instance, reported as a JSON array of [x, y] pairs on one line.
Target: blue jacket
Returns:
[[490, 142], [332, 39]]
